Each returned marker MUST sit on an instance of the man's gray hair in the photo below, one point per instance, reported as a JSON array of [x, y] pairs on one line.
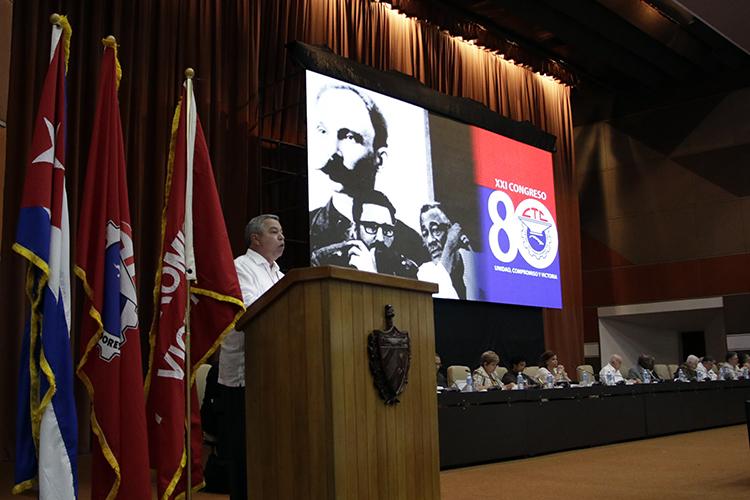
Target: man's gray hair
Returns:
[[255, 226]]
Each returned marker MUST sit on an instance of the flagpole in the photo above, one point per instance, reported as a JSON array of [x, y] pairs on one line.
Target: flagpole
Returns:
[[190, 277]]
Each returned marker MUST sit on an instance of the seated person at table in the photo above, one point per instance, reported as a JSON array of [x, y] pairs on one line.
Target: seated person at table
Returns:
[[486, 377], [689, 369], [743, 364], [518, 364], [610, 373], [441, 380], [730, 370], [549, 365], [645, 365], [706, 367]]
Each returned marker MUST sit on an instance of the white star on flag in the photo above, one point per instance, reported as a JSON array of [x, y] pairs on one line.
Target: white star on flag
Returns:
[[48, 156]]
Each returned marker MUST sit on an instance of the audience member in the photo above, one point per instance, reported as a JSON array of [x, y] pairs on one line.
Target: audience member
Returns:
[[744, 365], [518, 364], [689, 369], [644, 369], [550, 366], [705, 370], [610, 373], [486, 377], [729, 370], [441, 380]]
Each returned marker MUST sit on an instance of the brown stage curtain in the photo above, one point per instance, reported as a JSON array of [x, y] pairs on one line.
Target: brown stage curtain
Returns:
[[158, 40], [371, 33], [246, 89]]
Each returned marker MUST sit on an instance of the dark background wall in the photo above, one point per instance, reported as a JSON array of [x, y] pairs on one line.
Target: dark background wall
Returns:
[[665, 203], [464, 330]]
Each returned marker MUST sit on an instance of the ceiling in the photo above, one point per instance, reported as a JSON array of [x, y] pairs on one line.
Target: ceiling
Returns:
[[627, 55]]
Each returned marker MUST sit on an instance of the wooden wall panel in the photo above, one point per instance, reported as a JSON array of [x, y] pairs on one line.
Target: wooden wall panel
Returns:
[[667, 281], [636, 284]]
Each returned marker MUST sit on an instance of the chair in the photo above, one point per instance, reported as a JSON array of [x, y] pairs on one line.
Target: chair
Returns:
[[585, 368], [457, 372], [501, 371], [200, 381], [672, 371], [531, 371], [662, 371]]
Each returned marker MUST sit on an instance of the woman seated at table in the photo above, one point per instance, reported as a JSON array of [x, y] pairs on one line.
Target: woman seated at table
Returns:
[[486, 377], [550, 366]]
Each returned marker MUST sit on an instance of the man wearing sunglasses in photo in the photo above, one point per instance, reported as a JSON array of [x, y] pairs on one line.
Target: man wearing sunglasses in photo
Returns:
[[372, 237]]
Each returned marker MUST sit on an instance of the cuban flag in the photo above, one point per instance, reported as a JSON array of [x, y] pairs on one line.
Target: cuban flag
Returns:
[[110, 364], [46, 425]]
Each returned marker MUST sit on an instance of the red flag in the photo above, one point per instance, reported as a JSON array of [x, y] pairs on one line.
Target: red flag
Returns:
[[110, 365], [216, 302]]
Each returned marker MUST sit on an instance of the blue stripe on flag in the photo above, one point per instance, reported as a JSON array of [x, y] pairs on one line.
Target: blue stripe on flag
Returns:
[[26, 463], [29, 236], [56, 345]]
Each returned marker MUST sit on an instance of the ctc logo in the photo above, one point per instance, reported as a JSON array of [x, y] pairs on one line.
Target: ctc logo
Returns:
[[528, 229]]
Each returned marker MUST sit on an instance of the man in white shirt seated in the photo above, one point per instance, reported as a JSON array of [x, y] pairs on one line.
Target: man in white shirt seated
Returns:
[[730, 369], [610, 373], [706, 368], [257, 271]]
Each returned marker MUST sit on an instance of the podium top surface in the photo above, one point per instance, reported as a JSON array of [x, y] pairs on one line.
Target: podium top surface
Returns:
[[334, 273]]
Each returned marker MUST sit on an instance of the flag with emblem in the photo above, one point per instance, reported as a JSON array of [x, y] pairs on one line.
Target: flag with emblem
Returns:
[[110, 363], [192, 214], [46, 425]]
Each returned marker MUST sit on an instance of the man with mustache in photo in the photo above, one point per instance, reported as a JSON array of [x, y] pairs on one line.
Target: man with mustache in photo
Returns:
[[354, 135]]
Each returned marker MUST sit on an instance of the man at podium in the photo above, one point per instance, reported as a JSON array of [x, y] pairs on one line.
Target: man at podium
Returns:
[[257, 271]]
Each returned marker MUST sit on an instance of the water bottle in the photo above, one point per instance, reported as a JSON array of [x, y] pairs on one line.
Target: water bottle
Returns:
[[585, 379], [745, 373], [550, 381], [469, 383], [646, 377], [610, 378], [681, 375], [520, 382], [700, 376], [722, 373]]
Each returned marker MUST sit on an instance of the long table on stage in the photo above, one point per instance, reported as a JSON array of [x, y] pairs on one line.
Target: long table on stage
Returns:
[[496, 425]]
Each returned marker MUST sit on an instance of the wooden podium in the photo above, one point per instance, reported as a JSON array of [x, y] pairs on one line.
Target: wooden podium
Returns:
[[316, 425]]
